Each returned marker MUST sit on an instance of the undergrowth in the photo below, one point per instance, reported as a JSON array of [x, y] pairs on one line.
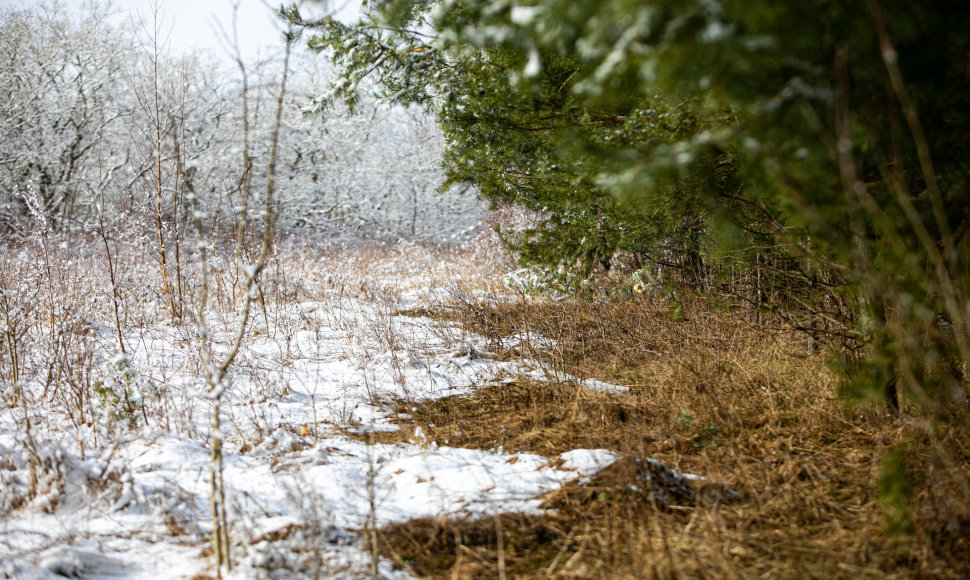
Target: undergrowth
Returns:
[[820, 488], [708, 393]]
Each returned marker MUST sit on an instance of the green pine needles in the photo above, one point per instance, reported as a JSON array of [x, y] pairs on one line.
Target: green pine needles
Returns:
[[807, 159]]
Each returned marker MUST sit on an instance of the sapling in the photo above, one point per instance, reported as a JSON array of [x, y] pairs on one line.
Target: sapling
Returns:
[[217, 370], [370, 529], [158, 181]]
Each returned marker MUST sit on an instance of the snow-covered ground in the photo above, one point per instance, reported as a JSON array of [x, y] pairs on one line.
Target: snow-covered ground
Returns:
[[125, 494]]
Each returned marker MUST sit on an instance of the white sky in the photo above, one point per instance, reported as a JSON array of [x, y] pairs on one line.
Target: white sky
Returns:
[[194, 24]]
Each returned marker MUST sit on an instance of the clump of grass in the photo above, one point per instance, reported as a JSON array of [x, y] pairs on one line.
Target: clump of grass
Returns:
[[469, 548], [709, 393], [525, 415]]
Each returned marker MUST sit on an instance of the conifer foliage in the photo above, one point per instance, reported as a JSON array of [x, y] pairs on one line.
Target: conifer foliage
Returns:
[[820, 145]]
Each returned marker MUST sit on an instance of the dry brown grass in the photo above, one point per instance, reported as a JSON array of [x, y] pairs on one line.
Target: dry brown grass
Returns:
[[709, 394]]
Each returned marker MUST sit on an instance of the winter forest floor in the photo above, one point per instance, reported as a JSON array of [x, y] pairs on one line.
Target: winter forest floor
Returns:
[[399, 412]]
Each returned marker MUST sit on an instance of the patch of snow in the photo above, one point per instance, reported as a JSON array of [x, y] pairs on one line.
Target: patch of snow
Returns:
[[533, 66], [523, 15], [133, 502], [588, 461]]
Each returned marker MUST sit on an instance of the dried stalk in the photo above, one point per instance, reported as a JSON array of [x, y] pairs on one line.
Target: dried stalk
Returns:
[[217, 373]]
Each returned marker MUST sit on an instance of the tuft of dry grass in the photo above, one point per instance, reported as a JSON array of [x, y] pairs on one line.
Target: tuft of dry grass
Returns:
[[525, 415], [709, 393]]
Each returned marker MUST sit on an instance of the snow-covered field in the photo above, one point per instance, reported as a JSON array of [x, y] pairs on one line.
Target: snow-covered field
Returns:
[[121, 489]]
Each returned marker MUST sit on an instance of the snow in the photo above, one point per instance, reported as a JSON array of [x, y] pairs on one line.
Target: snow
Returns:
[[534, 65], [588, 461], [523, 15], [116, 501]]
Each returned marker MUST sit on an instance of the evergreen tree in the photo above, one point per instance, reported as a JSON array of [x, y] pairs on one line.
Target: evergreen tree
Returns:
[[519, 133], [821, 142]]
